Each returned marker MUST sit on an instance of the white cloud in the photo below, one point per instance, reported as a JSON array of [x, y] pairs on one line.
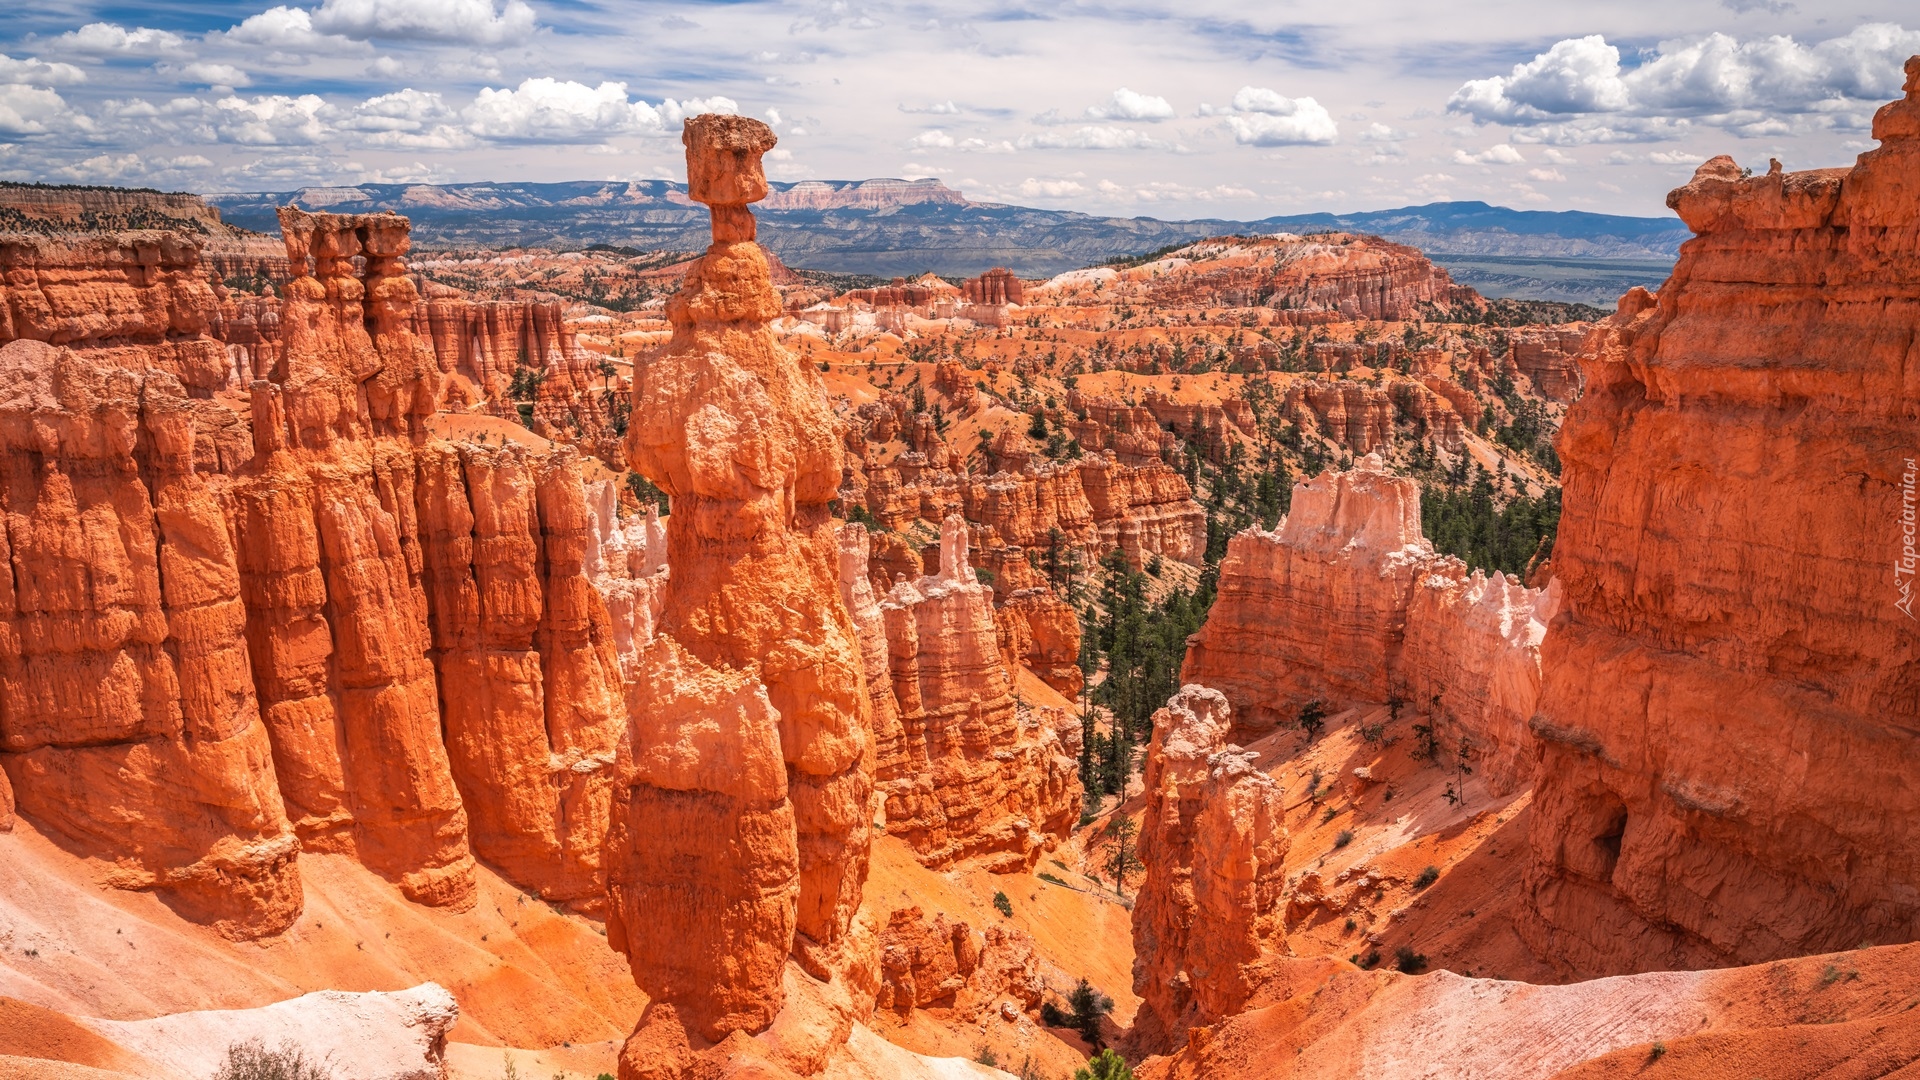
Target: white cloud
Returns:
[[273, 120], [1580, 89], [132, 167], [1263, 117], [935, 139], [413, 119], [550, 110], [39, 72], [938, 108], [1095, 137], [1127, 105], [31, 110], [1559, 157], [1500, 154], [1548, 176], [1032, 188], [473, 22], [1675, 157], [282, 27], [202, 73], [104, 39], [1381, 133], [674, 112]]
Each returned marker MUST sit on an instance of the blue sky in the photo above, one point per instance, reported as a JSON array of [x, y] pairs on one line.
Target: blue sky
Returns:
[[1172, 108]]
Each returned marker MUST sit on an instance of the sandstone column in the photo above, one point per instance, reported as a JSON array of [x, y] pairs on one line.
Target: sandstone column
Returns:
[[743, 798]]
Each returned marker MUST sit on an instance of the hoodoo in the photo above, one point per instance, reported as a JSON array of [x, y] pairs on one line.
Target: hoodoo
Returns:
[[744, 803]]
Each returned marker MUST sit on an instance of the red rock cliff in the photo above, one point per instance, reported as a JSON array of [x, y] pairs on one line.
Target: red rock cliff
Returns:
[[1347, 602], [1730, 697]]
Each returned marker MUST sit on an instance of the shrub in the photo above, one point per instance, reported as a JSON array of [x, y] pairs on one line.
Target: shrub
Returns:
[[1342, 840], [251, 1060], [1005, 907], [1056, 879], [1427, 877], [1313, 717], [1088, 1005], [1106, 1065], [1657, 1051], [1371, 960], [1408, 961], [987, 1057]]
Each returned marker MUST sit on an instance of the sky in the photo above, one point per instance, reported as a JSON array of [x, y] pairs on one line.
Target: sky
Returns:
[[1166, 108]]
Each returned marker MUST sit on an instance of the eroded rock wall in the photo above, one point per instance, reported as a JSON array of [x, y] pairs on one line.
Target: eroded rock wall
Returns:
[[974, 778], [1729, 699], [1347, 602]]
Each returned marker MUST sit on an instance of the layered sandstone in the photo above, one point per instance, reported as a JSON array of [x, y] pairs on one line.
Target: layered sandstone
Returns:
[[128, 720], [741, 811], [974, 777], [1728, 701], [1347, 602], [1213, 838]]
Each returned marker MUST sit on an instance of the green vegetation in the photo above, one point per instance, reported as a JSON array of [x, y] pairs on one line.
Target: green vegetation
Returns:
[[1408, 961], [1105, 1065], [1001, 904], [1427, 877], [1119, 853], [1085, 1008], [1468, 523]]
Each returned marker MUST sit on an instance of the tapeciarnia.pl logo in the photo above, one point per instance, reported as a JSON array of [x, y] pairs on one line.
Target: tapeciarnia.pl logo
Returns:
[[1905, 565]]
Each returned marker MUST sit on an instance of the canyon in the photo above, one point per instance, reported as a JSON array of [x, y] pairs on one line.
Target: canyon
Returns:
[[1264, 657]]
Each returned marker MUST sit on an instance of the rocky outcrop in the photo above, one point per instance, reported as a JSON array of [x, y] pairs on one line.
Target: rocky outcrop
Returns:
[[1347, 602], [1144, 511], [325, 629], [942, 963], [1728, 702], [128, 720], [1331, 277], [996, 286], [974, 779], [526, 656], [742, 805], [1546, 356], [1213, 839]]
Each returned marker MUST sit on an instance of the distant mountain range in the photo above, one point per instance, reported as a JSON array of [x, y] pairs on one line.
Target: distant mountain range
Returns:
[[900, 227]]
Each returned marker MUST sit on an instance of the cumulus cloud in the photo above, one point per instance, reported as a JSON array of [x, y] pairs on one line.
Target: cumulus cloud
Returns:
[[1580, 90], [31, 110], [1381, 133], [1095, 137], [1033, 188], [674, 112], [273, 120], [1263, 117], [552, 110], [107, 39], [39, 72], [934, 139], [473, 22], [203, 73], [1500, 154], [282, 27], [938, 108], [1127, 105], [122, 168], [413, 119]]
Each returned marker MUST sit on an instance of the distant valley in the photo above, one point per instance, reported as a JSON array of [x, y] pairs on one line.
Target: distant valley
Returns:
[[899, 227]]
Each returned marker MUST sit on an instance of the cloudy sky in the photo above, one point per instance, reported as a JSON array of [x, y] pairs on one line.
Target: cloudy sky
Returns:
[[1173, 108]]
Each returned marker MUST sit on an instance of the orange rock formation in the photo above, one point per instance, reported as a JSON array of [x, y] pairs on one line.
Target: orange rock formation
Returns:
[[1346, 601], [1728, 701], [971, 775], [1212, 839], [742, 811]]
